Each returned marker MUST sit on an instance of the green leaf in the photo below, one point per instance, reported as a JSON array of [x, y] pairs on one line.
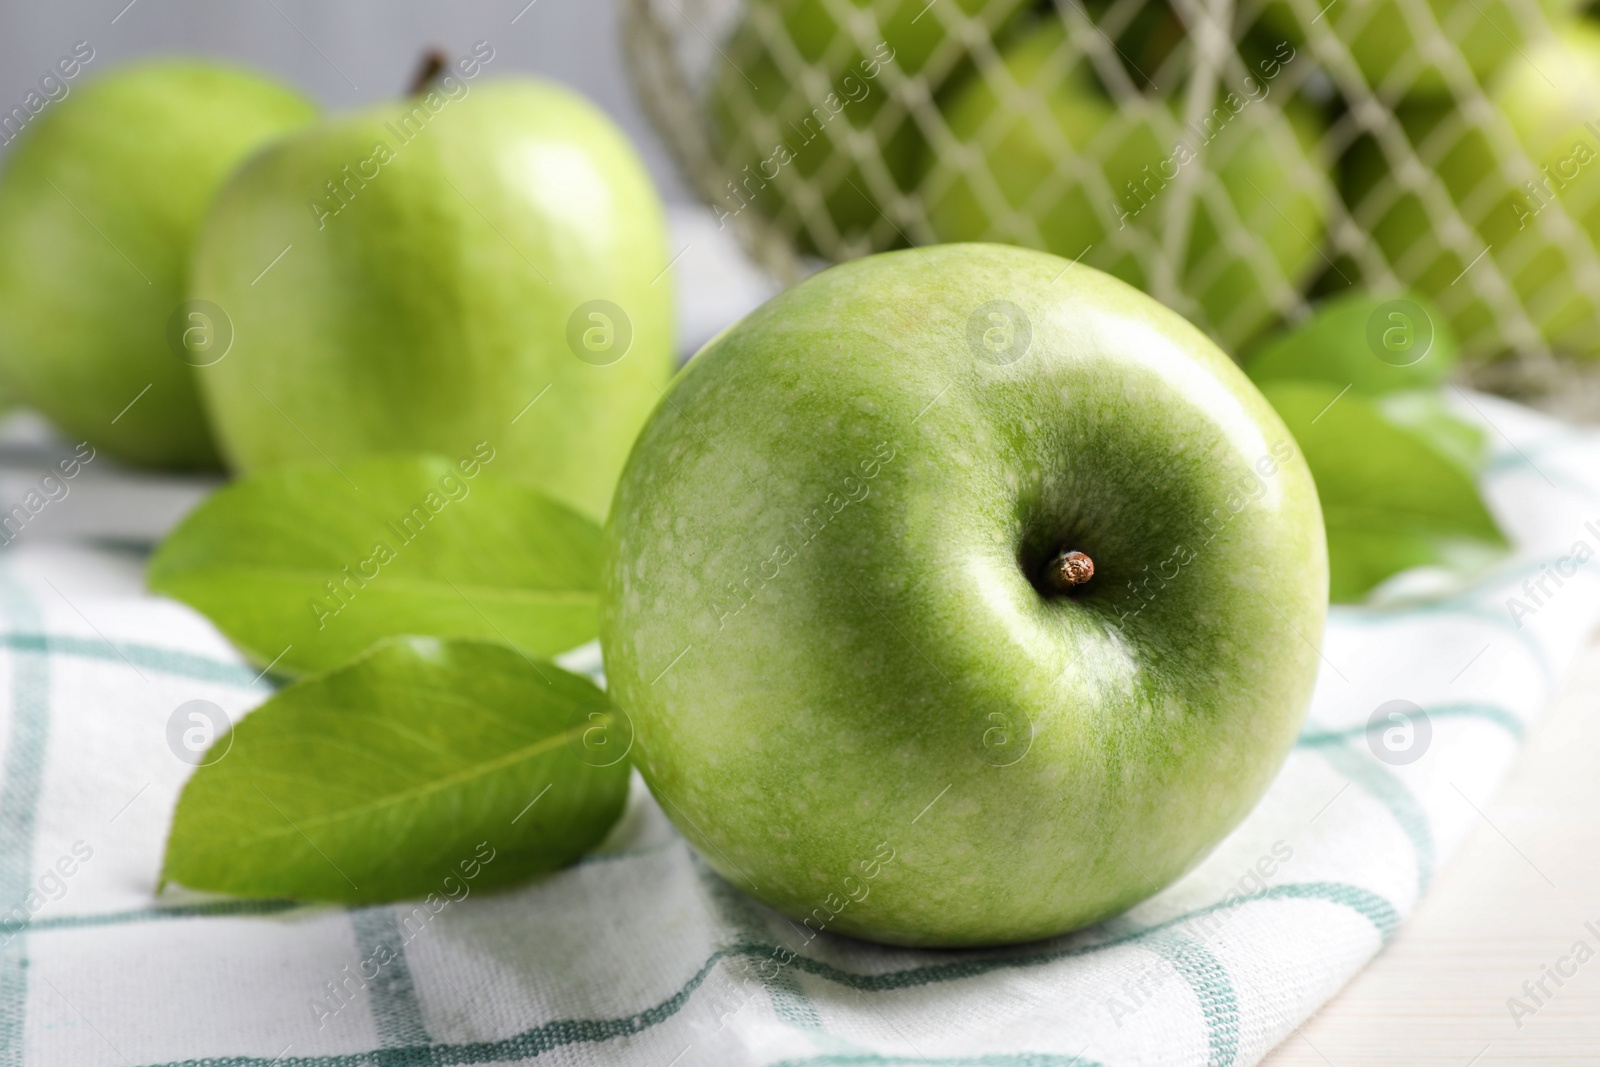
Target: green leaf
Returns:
[[1423, 412], [1375, 344], [379, 780], [1391, 499], [307, 566]]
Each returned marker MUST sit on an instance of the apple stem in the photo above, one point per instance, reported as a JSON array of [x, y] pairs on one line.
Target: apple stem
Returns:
[[433, 61], [1068, 571]]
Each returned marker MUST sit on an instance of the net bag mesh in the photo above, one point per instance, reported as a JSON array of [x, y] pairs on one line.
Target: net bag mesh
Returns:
[[1237, 159]]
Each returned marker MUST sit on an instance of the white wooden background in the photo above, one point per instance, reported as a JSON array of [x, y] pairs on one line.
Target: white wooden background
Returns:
[[342, 53], [1511, 902]]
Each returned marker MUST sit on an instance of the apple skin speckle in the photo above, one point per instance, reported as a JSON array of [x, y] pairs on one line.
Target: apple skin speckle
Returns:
[[868, 685]]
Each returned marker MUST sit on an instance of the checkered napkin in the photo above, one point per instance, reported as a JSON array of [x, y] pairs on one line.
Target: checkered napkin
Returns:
[[640, 955]]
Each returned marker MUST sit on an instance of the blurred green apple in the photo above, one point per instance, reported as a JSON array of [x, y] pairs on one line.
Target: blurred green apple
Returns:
[[799, 109], [480, 262], [1416, 50], [872, 675], [1525, 181], [1059, 166], [99, 203]]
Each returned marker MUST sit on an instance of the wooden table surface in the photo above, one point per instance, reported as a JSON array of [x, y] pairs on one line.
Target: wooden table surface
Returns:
[[1511, 903]]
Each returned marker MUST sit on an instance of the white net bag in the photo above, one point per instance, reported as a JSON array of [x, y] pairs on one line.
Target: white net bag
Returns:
[[1237, 159]]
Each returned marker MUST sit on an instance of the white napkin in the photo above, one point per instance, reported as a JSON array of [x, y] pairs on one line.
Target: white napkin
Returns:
[[641, 955]]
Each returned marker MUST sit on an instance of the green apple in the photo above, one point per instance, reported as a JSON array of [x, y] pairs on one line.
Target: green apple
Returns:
[[1418, 49], [838, 601], [799, 110], [99, 203], [1057, 165], [1526, 183], [480, 262]]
